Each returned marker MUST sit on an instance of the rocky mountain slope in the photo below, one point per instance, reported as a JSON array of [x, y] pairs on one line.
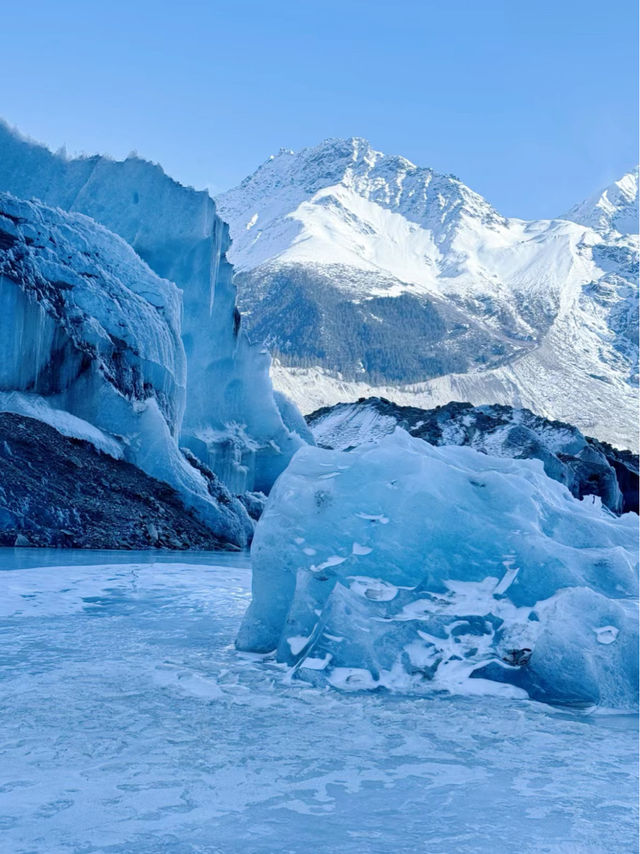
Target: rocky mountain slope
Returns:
[[586, 466], [366, 274]]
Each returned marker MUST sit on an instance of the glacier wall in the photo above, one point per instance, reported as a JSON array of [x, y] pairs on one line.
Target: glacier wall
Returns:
[[87, 328], [403, 566], [231, 421]]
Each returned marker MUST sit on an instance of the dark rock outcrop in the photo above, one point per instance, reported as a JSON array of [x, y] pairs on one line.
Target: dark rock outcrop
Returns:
[[59, 491]]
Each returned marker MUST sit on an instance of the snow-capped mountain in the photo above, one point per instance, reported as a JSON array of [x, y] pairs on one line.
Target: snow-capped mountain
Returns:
[[367, 275], [613, 209]]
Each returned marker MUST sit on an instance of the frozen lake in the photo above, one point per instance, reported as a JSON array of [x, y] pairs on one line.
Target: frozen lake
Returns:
[[130, 725]]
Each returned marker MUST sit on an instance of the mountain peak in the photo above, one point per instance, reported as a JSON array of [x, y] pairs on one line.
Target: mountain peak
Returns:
[[613, 209], [316, 193], [334, 160]]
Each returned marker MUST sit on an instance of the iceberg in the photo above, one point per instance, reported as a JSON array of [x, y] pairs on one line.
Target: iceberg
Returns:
[[90, 342], [585, 465], [410, 567]]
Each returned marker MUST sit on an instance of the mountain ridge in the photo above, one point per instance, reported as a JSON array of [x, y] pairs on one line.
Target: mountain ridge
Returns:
[[495, 309]]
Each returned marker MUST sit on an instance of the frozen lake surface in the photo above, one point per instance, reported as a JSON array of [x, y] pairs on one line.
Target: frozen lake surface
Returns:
[[130, 725]]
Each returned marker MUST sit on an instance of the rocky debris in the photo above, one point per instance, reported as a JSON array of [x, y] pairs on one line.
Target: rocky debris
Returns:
[[253, 502], [59, 491]]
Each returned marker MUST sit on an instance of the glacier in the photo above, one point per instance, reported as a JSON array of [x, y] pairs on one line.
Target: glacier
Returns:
[[90, 342], [369, 276], [232, 421], [409, 567]]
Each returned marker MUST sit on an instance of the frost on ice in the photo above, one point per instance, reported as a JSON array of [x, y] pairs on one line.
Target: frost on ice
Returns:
[[417, 567]]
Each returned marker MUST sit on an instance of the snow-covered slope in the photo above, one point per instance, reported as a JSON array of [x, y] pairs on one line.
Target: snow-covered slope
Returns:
[[232, 420], [87, 329], [613, 209], [368, 275]]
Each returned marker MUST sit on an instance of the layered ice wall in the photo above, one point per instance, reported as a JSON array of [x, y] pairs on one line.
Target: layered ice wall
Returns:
[[404, 566], [91, 336], [232, 421]]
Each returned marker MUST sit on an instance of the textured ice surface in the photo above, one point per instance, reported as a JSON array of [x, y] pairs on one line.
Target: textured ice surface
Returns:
[[128, 723], [231, 418], [86, 328], [401, 565]]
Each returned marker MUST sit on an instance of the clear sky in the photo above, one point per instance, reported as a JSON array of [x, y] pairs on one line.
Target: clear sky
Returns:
[[533, 104]]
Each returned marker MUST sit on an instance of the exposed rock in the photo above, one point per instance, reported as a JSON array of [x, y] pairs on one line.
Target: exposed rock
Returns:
[[59, 491]]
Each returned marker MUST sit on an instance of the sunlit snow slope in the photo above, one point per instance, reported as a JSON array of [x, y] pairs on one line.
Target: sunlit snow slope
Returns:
[[368, 275]]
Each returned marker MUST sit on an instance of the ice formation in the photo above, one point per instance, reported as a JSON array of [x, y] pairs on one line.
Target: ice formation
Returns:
[[90, 342], [232, 420], [406, 566]]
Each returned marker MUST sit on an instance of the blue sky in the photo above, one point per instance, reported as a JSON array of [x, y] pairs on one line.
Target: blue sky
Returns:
[[534, 105]]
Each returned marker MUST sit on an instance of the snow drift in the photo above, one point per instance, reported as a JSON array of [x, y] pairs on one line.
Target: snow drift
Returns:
[[405, 566]]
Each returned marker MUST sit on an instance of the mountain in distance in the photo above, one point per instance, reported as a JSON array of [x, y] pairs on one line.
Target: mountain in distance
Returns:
[[613, 209], [369, 276]]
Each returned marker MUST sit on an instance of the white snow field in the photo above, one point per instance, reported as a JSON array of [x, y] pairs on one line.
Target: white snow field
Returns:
[[129, 724]]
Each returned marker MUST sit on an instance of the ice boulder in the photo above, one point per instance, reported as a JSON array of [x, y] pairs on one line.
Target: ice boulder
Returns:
[[406, 566], [87, 329]]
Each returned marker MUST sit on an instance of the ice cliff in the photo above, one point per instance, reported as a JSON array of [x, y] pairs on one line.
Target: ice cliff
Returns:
[[401, 565], [90, 336], [232, 420]]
